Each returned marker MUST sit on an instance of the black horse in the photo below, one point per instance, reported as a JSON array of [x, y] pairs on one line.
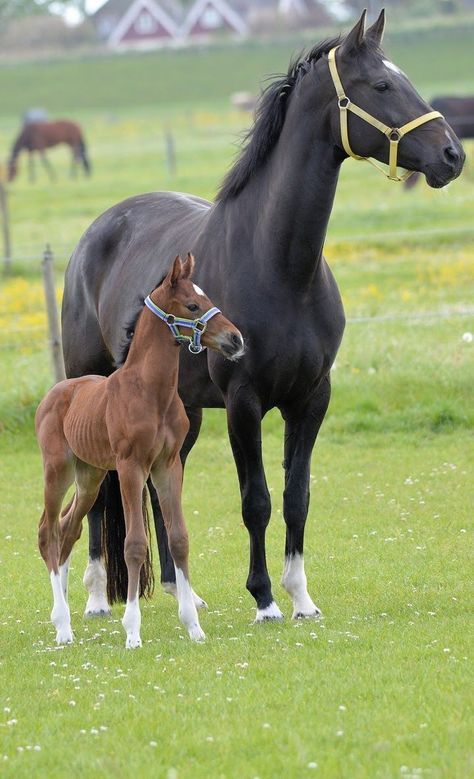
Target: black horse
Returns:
[[259, 254], [459, 112]]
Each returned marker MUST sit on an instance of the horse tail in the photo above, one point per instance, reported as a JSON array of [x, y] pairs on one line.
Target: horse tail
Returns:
[[113, 539], [83, 155]]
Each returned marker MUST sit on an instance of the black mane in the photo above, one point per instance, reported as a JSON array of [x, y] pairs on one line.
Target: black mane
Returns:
[[270, 116]]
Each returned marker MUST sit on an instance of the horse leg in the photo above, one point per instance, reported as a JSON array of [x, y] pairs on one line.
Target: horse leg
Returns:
[[47, 166], [244, 417], [301, 429], [168, 576], [132, 481], [31, 167], [168, 483], [58, 475], [95, 576], [88, 481]]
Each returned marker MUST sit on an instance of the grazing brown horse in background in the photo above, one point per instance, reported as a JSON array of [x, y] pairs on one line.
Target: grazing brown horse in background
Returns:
[[133, 422], [459, 112], [39, 136]]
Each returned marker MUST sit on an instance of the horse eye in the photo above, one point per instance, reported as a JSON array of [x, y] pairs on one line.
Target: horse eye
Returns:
[[193, 307], [382, 86]]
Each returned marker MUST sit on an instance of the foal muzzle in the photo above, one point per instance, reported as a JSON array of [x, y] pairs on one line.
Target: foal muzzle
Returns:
[[197, 326], [394, 134]]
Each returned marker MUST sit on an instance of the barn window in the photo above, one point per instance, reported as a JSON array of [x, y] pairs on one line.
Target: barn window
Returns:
[[145, 23], [211, 18]]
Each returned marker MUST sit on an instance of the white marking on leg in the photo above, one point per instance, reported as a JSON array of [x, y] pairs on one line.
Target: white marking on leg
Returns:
[[187, 608], [198, 290], [171, 589], [64, 575], [60, 615], [294, 582], [95, 582], [132, 620], [268, 613]]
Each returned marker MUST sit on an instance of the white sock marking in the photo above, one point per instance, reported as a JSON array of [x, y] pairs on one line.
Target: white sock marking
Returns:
[[95, 582], [187, 608], [270, 612], [294, 582], [131, 621], [60, 615]]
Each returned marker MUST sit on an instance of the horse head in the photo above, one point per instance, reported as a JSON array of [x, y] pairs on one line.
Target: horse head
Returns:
[[185, 305], [377, 113]]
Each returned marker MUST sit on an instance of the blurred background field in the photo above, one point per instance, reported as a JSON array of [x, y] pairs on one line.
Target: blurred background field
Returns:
[[391, 513]]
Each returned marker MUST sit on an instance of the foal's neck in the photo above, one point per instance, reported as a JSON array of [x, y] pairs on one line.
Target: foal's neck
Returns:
[[153, 354]]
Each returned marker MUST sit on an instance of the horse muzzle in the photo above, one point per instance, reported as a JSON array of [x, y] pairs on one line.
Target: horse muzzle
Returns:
[[231, 345], [448, 167]]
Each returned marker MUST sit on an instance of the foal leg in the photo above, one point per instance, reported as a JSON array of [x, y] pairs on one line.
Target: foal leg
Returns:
[[168, 483], [132, 481], [244, 417], [58, 475], [168, 576], [88, 481], [301, 429]]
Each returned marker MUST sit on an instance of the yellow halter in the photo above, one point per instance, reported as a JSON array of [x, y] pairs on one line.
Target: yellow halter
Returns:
[[394, 134]]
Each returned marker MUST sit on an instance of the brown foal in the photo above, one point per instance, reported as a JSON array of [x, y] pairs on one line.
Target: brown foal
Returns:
[[133, 422]]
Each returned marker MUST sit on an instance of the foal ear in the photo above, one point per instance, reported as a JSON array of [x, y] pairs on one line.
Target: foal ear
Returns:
[[174, 272], [375, 32], [354, 38], [188, 266]]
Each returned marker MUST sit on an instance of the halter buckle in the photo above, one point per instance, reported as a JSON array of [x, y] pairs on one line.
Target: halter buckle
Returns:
[[170, 319], [199, 325], [343, 105], [394, 134], [195, 349]]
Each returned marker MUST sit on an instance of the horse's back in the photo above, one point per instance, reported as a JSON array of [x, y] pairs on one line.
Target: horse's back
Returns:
[[120, 258], [458, 111]]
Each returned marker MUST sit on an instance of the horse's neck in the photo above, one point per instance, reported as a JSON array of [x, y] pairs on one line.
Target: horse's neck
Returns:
[[287, 205], [19, 144], [154, 357]]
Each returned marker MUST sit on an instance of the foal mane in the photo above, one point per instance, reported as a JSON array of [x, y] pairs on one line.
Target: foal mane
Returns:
[[270, 115], [130, 327]]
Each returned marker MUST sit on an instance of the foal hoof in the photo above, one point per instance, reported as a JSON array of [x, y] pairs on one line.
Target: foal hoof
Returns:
[[133, 642], [64, 635], [269, 614], [196, 633]]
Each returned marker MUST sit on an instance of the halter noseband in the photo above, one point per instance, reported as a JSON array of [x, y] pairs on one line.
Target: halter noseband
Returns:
[[198, 326], [394, 134]]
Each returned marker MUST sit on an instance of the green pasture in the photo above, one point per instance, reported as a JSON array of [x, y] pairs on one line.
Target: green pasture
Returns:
[[382, 686]]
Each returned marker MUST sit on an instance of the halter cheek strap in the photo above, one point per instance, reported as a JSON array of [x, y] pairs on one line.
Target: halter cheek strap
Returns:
[[197, 326], [394, 134]]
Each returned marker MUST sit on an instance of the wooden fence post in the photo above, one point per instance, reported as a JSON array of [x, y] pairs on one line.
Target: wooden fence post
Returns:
[[52, 310], [7, 254]]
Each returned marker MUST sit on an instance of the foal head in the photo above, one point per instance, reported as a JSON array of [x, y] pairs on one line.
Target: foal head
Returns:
[[190, 314]]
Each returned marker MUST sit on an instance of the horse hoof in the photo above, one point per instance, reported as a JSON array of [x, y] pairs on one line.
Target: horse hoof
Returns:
[[196, 633], [64, 636], [133, 642], [98, 613], [269, 614], [314, 614]]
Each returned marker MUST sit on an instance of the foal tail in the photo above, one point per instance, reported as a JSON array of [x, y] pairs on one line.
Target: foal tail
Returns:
[[83, 156], [113, 539]]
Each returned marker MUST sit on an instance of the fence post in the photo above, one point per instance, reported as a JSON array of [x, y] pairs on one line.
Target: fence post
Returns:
[[7, 255], [52, 310]]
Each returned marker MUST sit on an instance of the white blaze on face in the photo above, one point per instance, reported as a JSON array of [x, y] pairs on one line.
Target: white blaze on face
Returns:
[[198, 290]]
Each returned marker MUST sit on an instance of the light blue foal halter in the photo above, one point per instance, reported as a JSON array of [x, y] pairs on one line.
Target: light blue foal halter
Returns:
[[198, 326]]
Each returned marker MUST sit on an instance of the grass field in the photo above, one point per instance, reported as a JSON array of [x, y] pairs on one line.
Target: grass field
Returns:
[[382, 686]]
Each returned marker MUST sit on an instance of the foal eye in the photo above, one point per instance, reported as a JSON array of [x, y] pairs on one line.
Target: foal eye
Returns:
[[193, 307], [382, 86]]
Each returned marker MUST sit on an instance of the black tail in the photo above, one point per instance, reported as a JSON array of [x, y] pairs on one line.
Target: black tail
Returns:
[[113, 539], [84, 157]]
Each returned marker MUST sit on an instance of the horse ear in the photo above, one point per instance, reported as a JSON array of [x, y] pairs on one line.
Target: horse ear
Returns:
[[375, 32], [174, 272], [188, 266], [353, 40]]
